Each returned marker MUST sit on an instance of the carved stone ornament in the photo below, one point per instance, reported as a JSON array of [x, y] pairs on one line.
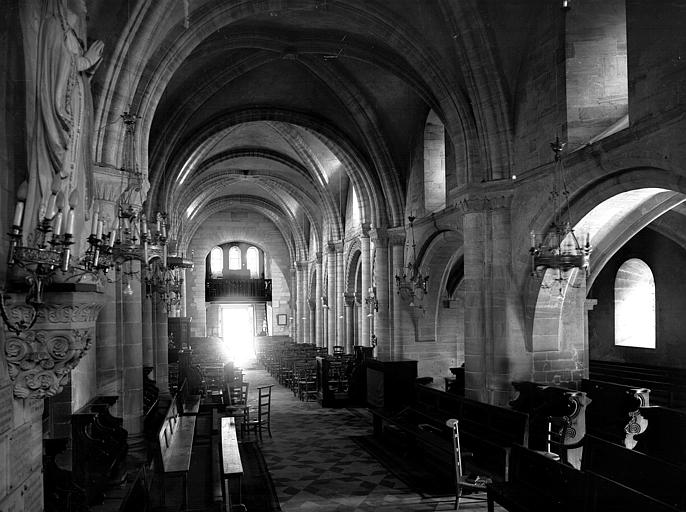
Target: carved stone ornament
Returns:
[[39, 359]]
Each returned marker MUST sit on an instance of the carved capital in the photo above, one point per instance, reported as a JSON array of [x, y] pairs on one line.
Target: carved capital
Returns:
[[39, 360]]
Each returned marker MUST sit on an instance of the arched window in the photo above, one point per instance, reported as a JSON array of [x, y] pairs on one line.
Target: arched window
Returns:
[[635, 305], [252, 257], [235, 258], [434, 163], [216, 262]]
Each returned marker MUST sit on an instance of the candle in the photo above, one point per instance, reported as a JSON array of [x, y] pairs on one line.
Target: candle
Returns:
[[21, 200], [94, 225], [73, 203], [113, 231], [51, 208], [98, 234], [57, 225], [144, 224]]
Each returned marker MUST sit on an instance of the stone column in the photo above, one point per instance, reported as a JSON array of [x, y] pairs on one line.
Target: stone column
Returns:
[[382, 327], [294, 304], [349, 322], [319, 317], [366, 283], [148, 342], [397, 263], [331, 294], [340, 287], [182, 273], [107, 353], [132, 358], [494, 341], [302, 300], [161, 343]]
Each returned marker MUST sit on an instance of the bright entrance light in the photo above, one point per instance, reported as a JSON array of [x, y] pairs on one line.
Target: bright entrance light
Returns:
[[237, 333]]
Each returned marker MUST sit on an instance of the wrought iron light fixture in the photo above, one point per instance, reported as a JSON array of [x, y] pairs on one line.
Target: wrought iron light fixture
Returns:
[[410, 282], [371, 301], [47, 250], [559, 249]]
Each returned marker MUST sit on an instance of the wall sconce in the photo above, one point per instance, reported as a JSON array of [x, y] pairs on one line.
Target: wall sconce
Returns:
[[372, 301]]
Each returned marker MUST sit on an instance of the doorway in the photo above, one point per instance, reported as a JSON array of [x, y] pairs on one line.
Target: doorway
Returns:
[[237, 327]]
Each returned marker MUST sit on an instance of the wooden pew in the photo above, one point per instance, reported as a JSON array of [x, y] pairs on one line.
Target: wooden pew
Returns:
[[612, 408], [176, 444], [538, 483], [651, 480], [487, 431], [99, 447], [664, 437], [232, 467], [557, 418], [188, 404]]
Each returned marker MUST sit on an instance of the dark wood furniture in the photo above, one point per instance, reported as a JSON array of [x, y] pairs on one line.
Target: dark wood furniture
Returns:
[[390, 382], [99, 446], [486, 431], [612, 408], [665, 434], [538, 483], [620, 478], [333, 380], [667, 385]]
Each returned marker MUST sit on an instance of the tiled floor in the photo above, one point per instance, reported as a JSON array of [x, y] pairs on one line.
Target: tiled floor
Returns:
[[316, 466]]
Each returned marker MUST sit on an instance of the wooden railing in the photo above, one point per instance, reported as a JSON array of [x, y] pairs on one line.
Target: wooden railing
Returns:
[[238, 290]]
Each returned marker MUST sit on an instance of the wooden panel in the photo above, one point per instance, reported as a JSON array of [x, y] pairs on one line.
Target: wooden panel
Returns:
[[231, 457]]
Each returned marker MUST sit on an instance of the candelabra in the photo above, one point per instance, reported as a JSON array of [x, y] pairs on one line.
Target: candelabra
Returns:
[[409, 281], [43, 254], [371, 301]]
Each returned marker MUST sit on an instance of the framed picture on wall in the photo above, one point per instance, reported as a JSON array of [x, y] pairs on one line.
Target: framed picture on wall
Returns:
[[281, 319]]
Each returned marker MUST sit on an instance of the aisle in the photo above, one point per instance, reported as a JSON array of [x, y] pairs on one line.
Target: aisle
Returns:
[[316, 466]]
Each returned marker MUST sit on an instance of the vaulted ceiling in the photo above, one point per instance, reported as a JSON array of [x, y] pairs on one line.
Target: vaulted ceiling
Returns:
[[281, 107]]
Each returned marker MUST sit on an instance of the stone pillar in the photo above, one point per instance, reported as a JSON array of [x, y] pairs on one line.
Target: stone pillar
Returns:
[[107, 353], [182, 273], [132, 357], [349, 322], [307, 322], [319, 317], [148, 342], [302, 300], [366, 283], [382, 324], [331, 294], [340, 287], [494, 342], [294, 304], [397, 262], [161, 343]]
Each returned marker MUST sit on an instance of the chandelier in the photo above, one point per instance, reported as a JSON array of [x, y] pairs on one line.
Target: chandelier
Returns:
[[166, 280], [409, 281], [559, 249], [130, 236]]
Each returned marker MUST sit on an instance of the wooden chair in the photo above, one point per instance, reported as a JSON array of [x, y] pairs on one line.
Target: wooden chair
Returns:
[[463, 483], [263, 413]]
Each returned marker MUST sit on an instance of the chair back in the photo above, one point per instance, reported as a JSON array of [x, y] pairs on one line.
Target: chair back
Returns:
[[457, 452], [264, 396]]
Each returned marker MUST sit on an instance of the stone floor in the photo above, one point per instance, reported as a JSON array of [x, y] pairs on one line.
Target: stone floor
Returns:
[[315, 465]]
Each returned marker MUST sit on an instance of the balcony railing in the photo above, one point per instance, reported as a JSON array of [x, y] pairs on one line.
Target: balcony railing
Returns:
[[238, 290]]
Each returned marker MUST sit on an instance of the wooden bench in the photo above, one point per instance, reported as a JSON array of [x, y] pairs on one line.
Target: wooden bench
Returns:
[[176, 444], [188, 404], [231, 467], [486, 431], [538, 483], [611, 408], [615, 470]]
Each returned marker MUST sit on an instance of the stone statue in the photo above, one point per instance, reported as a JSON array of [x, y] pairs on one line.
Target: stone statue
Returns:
[[63, 127]]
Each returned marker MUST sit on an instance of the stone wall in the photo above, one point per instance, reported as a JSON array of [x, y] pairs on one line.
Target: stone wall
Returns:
[[248, 227]]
